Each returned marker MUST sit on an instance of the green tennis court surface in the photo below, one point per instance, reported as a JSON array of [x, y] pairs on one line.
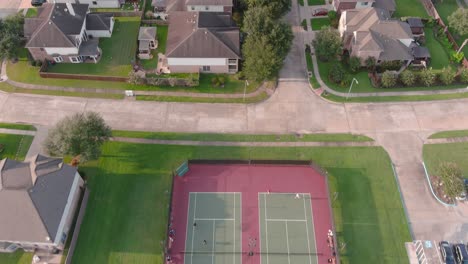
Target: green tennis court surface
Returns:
[[286, 229], [216, 237]]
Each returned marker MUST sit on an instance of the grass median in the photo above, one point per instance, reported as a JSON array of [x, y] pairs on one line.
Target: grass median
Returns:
[[450, 134]]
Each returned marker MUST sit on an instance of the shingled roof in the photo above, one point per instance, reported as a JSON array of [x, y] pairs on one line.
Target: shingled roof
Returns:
[[55, 25], [33, 196], [202, 35], [209, 2]]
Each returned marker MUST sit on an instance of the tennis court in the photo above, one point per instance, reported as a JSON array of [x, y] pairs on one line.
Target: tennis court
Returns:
[[286, 228], [213, 228]]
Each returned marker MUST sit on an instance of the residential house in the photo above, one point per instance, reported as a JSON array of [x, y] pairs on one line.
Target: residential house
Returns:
[[202, 42], [416, 25], [168, 6], [342, 5], [38, 200], [66, 33], [147, 41], [369, 32], [93, 3]]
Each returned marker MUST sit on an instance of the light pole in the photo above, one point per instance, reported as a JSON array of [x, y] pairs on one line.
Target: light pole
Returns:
[[351, 86]]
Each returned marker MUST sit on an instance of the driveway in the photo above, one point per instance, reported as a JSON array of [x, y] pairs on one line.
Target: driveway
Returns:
[[8, 7]]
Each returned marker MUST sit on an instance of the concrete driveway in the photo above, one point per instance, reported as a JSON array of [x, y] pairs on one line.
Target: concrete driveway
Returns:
[[8, 7]]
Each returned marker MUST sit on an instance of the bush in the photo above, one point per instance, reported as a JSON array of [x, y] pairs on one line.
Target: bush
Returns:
[[371, 63], [407, 77], [331, 14], [307, 48], [447, 76], [457, 57], [390, 65], [427, 77], [38, 63], [464, 75], [388, 79], [337, 74], [149, 14], [218, 81], [304, 24], [354, 64]]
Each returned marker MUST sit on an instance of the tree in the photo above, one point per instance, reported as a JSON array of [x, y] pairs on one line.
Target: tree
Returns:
[[258, 21], [427, 77], [278, 8], [337, 74], [327, 43], [79, 135], [355, 64], [452, 180], [447, 75], [458, 20], [407, 77], [11, 31], [261, 61], [371, 63], [281, 37], [464, 75], [388, 79]]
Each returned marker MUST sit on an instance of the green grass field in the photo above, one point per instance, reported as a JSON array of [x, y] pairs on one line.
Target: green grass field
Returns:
[[410, 8], [32, 12], [454, 152], [127, 215], [315, 2], [402, 98], [17, 126], [161, 32], [445, 8], [118, 52], [450, 134], [318, 23], [12, 143], [241, 137], [439, 56]]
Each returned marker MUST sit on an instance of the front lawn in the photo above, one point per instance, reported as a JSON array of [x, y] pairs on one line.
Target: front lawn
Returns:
[[410, 8], [161, 32], [118, 52], [439, 55], [17, 126], [126, 218], [32, 12], [318, 23], [434, 154], [315, 2]]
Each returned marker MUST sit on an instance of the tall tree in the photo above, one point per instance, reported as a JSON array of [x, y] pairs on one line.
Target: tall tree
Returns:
[[277, 7], [281, 37], [79, 135], [11, 31], [257, 21], [261, 61], [327, 43], [458, 20]]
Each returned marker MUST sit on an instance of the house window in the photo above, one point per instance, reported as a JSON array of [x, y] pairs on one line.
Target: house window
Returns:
[[365, 3], [207, 8], [193, 8], [75, 59], [94, 3], [232, 61], [58, 59], [206, 68]]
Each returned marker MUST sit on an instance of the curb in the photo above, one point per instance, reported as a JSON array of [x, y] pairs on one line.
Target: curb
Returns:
[[432, 190]]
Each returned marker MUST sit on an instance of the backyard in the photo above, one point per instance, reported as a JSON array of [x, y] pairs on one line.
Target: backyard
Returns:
[[445, 8], [410, 8], [130, 186], [439, 55], [161, 32], [118, 52]]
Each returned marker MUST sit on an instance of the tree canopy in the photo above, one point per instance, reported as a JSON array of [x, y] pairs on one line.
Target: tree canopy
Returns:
[[327, 43], [261, 60], [278, 8], [11, 31], [459, 21], [78, 135]]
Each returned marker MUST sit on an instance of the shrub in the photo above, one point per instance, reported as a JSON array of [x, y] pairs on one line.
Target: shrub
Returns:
[[427, 77], [337, 73], [307, 48], [390, 65], [447, 76], [388, 79], [464, 75], [407, 77], [218, 81], [452, 178], [354, 64], [237, 17], [38, 63], [149, 14], [331, 14], [370, 63], [457, 57]]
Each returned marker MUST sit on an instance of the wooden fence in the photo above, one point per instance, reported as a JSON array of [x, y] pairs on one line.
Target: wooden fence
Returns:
[[44, 74]]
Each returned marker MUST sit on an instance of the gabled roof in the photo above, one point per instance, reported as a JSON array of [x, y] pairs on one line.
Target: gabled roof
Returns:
[[202, 35], [147, 33], [55, 25], [98, 21], [389, 5], [33, 196]]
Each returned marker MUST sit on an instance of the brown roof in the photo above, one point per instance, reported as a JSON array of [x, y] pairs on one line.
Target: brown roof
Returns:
[[209, 2], [202, 35], [33, 196]]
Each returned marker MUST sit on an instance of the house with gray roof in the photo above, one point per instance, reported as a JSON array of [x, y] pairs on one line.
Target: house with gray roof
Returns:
[[168, 6], [369, 32], [38, 199], [94, 3], [66, 33], [147, 41], [343, 5], [202, 42]]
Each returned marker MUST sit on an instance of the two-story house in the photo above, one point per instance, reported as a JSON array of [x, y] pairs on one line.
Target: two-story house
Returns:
[[202, 42], [66, 33]]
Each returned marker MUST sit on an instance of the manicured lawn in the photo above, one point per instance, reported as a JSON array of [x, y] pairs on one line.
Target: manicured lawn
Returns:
[[310, 67], [315, 2], [454, 152], [212, 100], [301, 2], [118, 52], [12, 143], [162, 39], [127, 214], [445, 8], [450, 134], [240, 137], [406, 98], [32, 12], [318, 23], [439, 56], [410, 8], [17, 126]]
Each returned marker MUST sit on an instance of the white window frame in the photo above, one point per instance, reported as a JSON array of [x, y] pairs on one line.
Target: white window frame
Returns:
[[232, 61], [206, 68], [207, 8], [58, 59], [75, 59]]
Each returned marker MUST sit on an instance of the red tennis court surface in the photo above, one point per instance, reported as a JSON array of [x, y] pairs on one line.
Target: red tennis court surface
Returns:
[[250, 180]]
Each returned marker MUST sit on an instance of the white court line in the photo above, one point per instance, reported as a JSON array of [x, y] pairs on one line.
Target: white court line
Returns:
[[287, 220], [259, 229], [234, 231], [214, 219], [193, 227], [214, 192], [307, 230], [266, 229], [240, 217], [279, 193], [213, 241], [287, 240]]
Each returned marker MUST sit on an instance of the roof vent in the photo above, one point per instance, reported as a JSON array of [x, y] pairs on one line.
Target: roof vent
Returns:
[[65, 10], [50, 22]]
